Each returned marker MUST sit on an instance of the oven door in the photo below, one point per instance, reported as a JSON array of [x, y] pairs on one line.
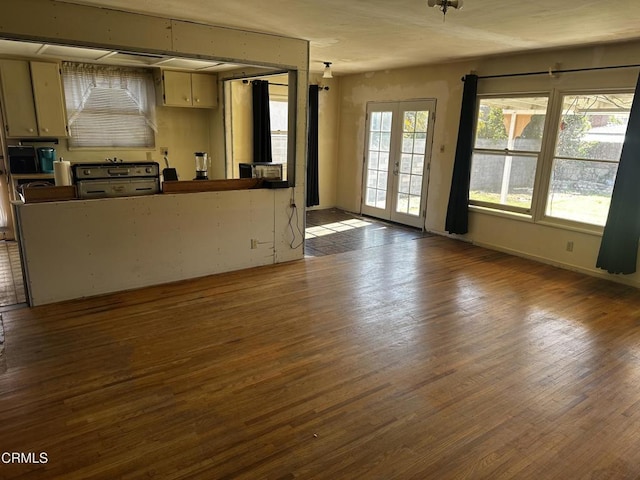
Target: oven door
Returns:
[[118, 187]]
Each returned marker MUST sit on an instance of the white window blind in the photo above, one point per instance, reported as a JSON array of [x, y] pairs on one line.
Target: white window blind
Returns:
[[109, 106]]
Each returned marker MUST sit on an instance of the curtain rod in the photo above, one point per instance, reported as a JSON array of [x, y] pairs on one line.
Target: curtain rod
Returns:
[[551, 72], [321, 87], [270, 83]]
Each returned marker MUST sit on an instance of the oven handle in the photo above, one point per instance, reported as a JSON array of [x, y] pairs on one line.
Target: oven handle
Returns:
[[122, 172]]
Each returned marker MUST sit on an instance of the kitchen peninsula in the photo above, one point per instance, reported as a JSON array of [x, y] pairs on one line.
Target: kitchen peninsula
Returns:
[[79, 248]]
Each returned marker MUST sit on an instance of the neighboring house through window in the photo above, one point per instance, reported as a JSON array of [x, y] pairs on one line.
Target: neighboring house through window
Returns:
[[551, 157]]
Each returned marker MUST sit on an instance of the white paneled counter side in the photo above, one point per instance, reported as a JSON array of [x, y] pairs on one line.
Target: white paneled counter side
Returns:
[[81, 248]]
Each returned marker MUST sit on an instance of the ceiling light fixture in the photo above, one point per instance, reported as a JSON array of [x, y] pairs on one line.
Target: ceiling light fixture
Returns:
[[445, 4], [327, 70]]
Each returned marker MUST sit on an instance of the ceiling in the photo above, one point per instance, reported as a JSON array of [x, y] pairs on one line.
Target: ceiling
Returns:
[[368, 35]]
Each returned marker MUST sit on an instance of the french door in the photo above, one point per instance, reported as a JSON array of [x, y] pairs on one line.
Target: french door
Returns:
[[397, 157]]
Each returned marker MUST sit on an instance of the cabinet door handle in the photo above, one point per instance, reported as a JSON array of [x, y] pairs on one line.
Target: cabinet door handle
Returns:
[[31, 130], [197, 100], [46, 130]]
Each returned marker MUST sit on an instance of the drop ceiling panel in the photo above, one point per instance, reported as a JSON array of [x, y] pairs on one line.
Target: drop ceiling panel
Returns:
[[9, 47], [367, 35], [61, 51]]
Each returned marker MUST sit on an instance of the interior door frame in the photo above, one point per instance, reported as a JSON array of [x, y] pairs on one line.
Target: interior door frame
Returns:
[[7, 233], [397, 107]]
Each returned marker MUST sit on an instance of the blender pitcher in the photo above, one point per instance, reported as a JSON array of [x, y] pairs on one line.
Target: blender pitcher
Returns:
[[202, 165]]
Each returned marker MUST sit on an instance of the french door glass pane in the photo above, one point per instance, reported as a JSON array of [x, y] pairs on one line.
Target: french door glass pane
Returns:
[[383, 163], [386, 121], [414, 204], [373, 160], [405, 163], [372, 179], [378, 162], [411, 168]]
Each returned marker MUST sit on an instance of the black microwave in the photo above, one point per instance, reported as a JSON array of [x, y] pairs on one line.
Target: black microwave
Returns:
[[22, 159]]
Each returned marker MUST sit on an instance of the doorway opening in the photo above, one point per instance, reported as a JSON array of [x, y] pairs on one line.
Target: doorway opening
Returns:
[[12, 291], [397, 160]]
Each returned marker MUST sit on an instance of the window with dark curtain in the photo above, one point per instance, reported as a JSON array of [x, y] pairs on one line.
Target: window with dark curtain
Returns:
[[313, 194], [458, 208], [619, 247], [261, 122]]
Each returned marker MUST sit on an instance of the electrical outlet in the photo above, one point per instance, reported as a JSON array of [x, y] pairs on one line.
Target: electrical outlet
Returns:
[[569, 246], [164, 151], [254, 244]]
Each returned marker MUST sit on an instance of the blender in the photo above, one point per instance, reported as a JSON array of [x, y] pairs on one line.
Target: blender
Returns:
[[202, 164]]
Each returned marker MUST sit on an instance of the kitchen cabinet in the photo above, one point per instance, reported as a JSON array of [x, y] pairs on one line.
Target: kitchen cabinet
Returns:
[[33, 99], [185, 89]]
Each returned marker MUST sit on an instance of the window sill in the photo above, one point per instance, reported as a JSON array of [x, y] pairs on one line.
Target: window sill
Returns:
[[546, 222], [559, 224], [103, 149], [521, 217]]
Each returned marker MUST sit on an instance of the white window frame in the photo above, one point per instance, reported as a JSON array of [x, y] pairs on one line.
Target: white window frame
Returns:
[[537, 213], [490, 151], [79, 80]]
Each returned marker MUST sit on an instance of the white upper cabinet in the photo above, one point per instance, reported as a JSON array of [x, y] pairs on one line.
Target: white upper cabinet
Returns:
[[204, 90], [33, 99], [49, 99], [184, 89]]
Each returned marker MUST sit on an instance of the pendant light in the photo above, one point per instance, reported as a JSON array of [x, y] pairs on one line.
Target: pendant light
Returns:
[[445, 4], [327, 70]]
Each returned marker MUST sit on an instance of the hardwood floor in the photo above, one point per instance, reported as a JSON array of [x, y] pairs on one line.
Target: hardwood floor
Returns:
[[330, 231], [434, 359]]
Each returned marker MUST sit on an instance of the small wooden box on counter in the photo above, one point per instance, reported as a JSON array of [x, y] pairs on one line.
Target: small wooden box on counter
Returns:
[[192, 186], [49, 194]]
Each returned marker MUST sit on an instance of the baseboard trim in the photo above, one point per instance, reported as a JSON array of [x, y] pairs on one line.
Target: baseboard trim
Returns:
[[536, 258], [566, 266]]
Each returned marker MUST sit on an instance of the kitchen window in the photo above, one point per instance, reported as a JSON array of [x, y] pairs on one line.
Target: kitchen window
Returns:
[[109, 106], [551, 157], [278, 116]]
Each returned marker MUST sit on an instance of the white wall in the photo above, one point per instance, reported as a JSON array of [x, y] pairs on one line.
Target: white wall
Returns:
[[443, 83], [328, 131], [89, 247], [430, 82]]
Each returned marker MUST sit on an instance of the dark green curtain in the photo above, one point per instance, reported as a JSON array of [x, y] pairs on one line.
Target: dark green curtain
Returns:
[[313, 195], [619, 246], [458, 208], [261, 122]]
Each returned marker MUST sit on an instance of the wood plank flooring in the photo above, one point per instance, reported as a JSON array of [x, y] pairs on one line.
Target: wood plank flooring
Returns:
[[436, 360], [330, 231]]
